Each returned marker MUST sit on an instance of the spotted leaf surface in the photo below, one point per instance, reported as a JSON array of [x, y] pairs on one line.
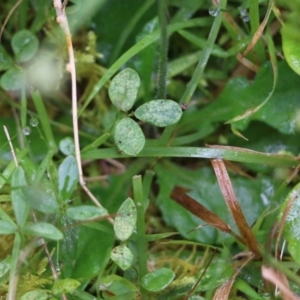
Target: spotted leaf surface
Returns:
[[160, 113], [125, 221], [122, 256], [123, 89], [129, 137]]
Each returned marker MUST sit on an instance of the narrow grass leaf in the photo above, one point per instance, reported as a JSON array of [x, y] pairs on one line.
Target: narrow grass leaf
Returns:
[[86, 212], [98, 142], [25, 45], [125, 221], [123, 89], [67, 177], [122, 256], [5, 60], [233, 205], [129, 136], [40, 200], [18, 199], [42, 229], [158, 280], [159, 112], [64, 286]]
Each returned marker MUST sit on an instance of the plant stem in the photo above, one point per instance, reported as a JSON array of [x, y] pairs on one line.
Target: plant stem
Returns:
[[141, 241], [163, 53]]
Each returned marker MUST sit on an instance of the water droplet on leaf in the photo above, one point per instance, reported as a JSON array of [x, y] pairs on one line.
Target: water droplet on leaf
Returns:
[[34, 122], [244, 14], [26, 130], [214, 10]]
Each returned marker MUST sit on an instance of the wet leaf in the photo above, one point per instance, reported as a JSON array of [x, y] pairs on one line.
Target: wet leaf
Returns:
[[158, 280], [66, 146], [122, 256], [5, 61], [160, 113], [129, 137], [125, 220], [67, 177], [25, 45], [45, 230], [123, 89]]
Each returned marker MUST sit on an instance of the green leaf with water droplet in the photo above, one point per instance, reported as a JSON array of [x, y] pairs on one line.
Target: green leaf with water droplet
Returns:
[[125, 221], [12, 80], [42, 229], [86, 212], [122, 256], [157, 280], [291, 46], [25, 45], [67, 177], [123, 89], [129, 136], [291, 232], [160, 112]]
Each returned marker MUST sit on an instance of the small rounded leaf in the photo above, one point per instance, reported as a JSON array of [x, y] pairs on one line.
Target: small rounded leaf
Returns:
[[86, 212], [66, 146], [160, 112], [125, 220], [291, 46], [25, 45], [63, 286], [45, 230], [123, 89], [122, 256], [129, 136], [12, 80], [157, 280]]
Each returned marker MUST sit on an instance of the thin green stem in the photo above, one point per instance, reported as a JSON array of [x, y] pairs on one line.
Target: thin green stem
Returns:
[[141, 241], [163, 51], [226, 153], [192, 85], [148, 177]]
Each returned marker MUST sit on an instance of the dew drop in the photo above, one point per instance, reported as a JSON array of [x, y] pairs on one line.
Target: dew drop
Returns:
[[34, 122], [214, 10], [245, 19], [244, 14], [26, 130]]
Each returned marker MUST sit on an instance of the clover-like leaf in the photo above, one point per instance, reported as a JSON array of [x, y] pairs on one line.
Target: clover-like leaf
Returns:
[[160, 112], [125, 221], [123, 89], [122, 256], [25, 45], [129, 137]]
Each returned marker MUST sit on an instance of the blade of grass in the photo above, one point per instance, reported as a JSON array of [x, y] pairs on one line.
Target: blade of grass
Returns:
[[136, 49], [163, 50], [222, 152], [44, 119], [125, 32], [191, 87], [147, 181], [234, 206]]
